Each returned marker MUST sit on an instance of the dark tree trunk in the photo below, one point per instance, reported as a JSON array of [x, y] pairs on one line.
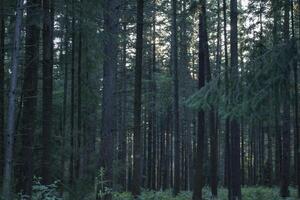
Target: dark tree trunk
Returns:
[[203, 65], [30, 95], [47, 90], [65, 96], [108, 104], [174, 61], [296, 105], [153, 105], [235, 132], [72, 101], [2, 111], [242, 153], [284, 191], [227, 124], [213, 130], [123, 132], [268, 171], [136, 182], [79, 117], [9, 134]]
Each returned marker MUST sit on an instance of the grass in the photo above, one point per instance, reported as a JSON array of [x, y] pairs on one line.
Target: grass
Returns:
[[248, 193]]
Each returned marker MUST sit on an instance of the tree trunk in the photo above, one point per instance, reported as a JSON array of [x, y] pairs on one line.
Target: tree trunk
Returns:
[[10, 129], [213, 123], [136, 182], [108, 102], [2, 110], [203, 65], [296, 105], [174, 60], [65, 96], [284, 191], [227, 124], [123, 132], [72, 107], [47, 90], [79, 117], [30, 95], [235, 132]]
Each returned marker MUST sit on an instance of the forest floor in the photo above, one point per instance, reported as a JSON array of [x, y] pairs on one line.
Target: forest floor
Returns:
[[248, 193]]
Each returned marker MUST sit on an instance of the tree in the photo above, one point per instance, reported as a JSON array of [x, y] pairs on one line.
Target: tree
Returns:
[[203, 64], [65, 91], [226, 79], [174, 61], [284, 190], [108, 111], [296, 104], [137, 151], [47, 88], [214, 115], [72, 100], [10, 127], [79, 97], [30, 92], [235, 169], [2, 56]]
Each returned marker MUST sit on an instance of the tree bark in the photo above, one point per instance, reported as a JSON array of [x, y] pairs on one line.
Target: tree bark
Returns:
[[79, 98], [30, 94], [111, 25], [137, 151], [65, 96], [72, 101], [227, 124], [296, 104], [2, 89], [203, 65], [174, 61], [284, 190], [47, 90], [10, 129], [235, 132]]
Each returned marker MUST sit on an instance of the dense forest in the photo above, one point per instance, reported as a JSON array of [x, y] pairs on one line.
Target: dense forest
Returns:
[[149, 99]]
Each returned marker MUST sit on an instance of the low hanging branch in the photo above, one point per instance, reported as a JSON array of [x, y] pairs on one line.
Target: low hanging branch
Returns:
[[251, 90]]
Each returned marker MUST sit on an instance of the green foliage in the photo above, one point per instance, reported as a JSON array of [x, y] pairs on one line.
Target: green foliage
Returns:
[[42, 192], [249, 193], [122, 196], [102, 189], [250, 92], [259, 193]]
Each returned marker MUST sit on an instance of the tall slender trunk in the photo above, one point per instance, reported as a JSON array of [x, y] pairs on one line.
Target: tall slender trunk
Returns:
[[79, 117], [174, 61], [227, 124], [72, 100], [30, 95], [47, 90], [108, 103], [137, 154], [65, 96], [278, 146], [235, 132], [285, 172], [123, 133], [2, 89], [296, 105], [203, 65], [213, 121], [9, 134]]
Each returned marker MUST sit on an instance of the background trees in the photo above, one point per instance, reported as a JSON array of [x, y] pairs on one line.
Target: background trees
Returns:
[[149, 94]]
